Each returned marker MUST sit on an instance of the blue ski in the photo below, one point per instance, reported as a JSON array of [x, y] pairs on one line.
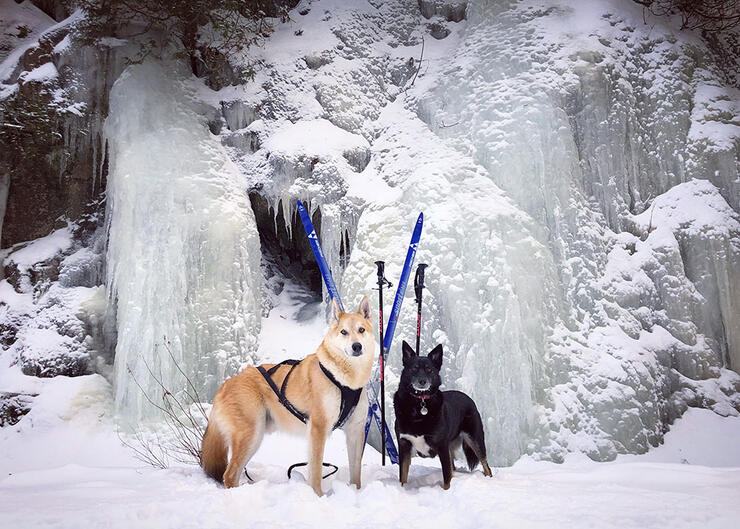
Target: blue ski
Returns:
[[331, 287], [373, 412], [401, 290], [313, 238], [392, 321]]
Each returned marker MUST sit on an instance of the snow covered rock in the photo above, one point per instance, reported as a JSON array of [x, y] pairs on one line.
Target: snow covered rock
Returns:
[[46, 315], [13, 406]]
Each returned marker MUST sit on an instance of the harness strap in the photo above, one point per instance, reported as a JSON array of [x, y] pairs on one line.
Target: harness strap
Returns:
[[349, 400], [267, 374], [349, 397]]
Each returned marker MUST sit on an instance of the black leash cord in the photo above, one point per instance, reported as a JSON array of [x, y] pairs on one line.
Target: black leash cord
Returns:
[[305, 464]]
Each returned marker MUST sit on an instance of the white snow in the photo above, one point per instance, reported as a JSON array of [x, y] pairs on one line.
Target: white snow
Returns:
[[39, 23], [317, 137], [16, 16], [690, 208], [43, 74], [295, 324], [63, 465], [41, 249]]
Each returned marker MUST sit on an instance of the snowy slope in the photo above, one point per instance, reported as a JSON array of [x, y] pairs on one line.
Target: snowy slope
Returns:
[[63, 466]]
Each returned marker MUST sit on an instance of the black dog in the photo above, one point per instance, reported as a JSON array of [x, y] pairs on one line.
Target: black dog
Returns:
[[434, 422]]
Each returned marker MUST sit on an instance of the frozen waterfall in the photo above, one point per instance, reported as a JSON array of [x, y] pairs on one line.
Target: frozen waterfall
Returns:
[[576, 305], [183, 258]]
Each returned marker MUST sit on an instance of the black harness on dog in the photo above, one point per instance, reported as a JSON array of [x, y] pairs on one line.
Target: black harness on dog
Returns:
[[350, 397], [349, 400]]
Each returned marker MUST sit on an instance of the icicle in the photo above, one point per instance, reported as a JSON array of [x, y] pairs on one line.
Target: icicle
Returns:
[[275, 207], [94, 165], [287, 205]]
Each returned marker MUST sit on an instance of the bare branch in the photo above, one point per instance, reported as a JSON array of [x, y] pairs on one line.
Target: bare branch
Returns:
[[184, 428]]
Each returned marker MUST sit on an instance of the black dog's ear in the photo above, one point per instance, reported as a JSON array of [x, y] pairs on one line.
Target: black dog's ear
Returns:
[[436, 356], [408, 353]]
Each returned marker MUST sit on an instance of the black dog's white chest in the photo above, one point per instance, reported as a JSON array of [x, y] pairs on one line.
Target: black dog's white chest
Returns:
[[420, 445]]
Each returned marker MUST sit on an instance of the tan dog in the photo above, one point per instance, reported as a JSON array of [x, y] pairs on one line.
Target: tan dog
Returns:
[[245, 407]]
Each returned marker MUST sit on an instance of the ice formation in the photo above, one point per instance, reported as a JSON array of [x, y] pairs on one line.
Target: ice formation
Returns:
[[183, 263]]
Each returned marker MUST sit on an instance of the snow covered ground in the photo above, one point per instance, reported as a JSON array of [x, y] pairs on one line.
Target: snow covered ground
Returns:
[[536, 126], [63, 465], [75, 473]]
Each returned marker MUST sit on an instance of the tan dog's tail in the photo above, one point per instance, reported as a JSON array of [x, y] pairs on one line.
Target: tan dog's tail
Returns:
[[214, 453]]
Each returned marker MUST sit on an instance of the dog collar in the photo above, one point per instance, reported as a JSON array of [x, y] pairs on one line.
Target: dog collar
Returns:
[[423, 398]]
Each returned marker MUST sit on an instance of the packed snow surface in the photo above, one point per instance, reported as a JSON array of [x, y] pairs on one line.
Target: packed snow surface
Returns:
[[63, 466], [576, 165], [41, 249]]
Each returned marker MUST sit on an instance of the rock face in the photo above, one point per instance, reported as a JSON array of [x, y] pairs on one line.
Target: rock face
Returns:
[[13, 406], [50, 302], [450, 10], [55, 100]]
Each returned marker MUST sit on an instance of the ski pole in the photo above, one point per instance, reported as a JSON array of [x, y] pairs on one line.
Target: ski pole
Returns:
[[381, 281], [418, 287], [389, 331]]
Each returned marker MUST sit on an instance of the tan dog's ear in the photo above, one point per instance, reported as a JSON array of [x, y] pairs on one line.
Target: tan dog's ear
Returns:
[[335, 313], [364, 308]]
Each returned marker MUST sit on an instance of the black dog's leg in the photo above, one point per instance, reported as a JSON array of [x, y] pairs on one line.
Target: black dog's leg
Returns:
[[474, 440], [446, 460], [404, 460]]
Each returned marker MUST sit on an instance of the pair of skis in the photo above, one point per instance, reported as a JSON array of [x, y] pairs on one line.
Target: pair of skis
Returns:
[[376, 411]]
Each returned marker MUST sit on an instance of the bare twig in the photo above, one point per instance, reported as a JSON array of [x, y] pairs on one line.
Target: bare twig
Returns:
[[184, 416]]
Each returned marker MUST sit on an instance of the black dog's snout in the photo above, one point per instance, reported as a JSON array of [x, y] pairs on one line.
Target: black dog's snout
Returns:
[[422, 381], [356, 347]]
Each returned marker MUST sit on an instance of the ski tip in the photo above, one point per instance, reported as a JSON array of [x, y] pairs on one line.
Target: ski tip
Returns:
[[300, 205], [421, 218]]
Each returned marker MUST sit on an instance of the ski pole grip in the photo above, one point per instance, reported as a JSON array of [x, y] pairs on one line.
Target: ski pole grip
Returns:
[[381, 268], [419, 280], [381, 275]]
